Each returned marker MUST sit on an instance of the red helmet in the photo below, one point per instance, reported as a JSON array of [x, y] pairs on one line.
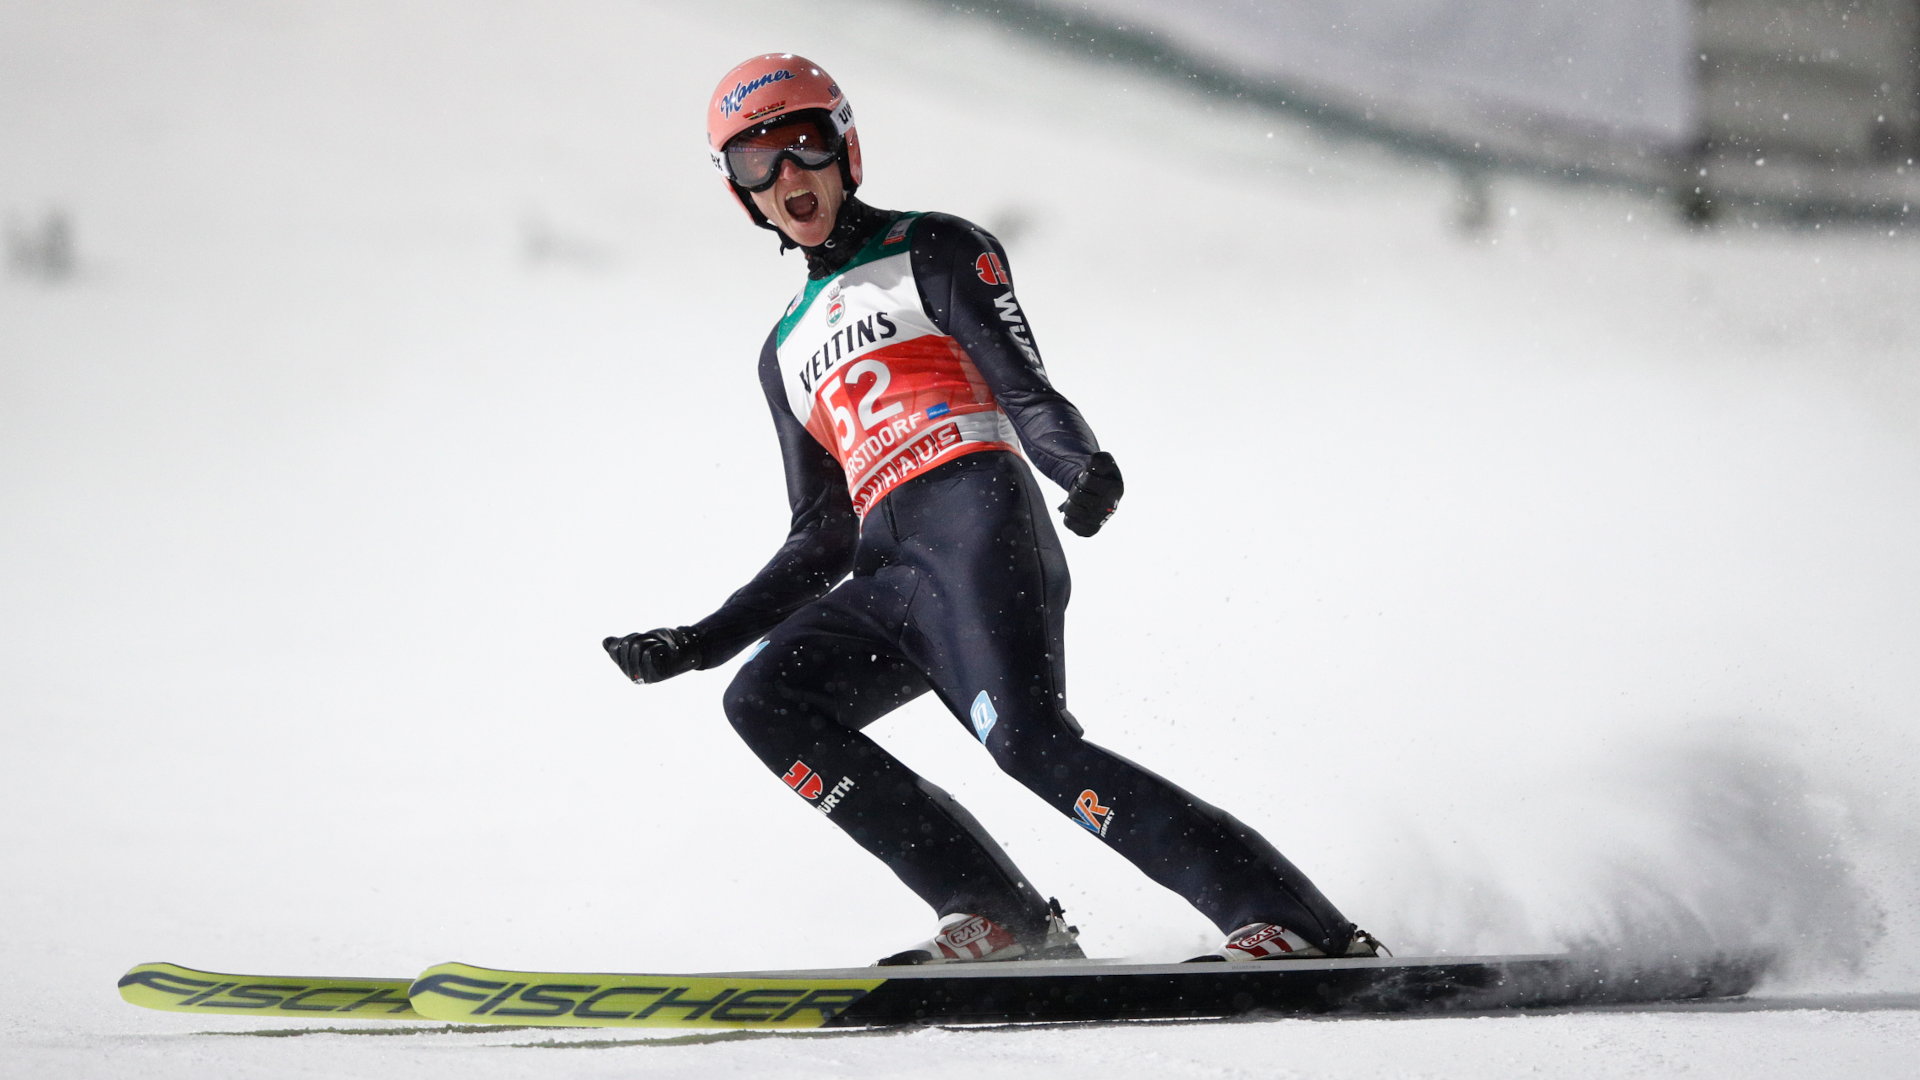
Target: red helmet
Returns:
[[773, 88]]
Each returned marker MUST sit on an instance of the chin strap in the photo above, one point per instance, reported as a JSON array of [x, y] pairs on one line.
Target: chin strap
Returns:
[[852, 228]]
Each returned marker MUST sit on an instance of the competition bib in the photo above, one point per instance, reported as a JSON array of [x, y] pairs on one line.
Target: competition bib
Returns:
[[874, 380]]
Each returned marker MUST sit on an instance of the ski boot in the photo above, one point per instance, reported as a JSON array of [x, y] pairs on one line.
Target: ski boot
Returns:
[[1270, 941], [967, 938]]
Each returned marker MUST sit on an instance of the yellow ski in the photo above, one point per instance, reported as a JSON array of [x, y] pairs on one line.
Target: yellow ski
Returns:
[[173, 988], [1048, 991], [466, 994]]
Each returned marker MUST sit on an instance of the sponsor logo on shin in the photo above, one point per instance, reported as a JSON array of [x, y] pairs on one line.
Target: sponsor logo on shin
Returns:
[[1091, 815]]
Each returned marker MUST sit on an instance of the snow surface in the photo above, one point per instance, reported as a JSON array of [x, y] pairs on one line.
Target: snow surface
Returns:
[[1541, 584]]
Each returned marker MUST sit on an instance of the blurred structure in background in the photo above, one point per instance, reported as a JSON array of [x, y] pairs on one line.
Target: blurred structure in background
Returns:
[[1802, 107], [40, 248], [1809, 104]]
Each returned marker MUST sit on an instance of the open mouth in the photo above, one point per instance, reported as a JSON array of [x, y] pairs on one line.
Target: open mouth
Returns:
[[802, 205]]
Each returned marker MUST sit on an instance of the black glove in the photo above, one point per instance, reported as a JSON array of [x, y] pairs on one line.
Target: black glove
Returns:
[[656, 654], [1095, 495]]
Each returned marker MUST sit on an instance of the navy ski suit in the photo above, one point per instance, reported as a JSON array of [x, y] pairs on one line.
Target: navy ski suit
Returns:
[[958, 586]]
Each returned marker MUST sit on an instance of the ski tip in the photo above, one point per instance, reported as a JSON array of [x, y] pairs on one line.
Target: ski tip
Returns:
[[172, 988]]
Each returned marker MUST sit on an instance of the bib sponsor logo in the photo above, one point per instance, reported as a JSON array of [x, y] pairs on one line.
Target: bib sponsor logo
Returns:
[[991, 270], [844, 344], [984, 717], [731, 100], [918, 455], [836, 305], [1092, 816], [898, 232]]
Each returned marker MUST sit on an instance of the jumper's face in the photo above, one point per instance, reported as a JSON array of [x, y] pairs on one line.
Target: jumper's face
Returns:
[[803, 203]]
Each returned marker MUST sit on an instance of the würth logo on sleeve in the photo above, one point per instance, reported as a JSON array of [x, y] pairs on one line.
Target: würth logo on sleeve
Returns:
[[991, 270], [833, 797], [804, 780], [1009, 309], [1092, 816]]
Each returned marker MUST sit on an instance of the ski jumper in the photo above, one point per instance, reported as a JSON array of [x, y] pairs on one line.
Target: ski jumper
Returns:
[[900, 383]]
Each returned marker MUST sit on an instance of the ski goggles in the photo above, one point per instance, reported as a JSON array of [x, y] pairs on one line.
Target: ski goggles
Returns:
[[752, 160]]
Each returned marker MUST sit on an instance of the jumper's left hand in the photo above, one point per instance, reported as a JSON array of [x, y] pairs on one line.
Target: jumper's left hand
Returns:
[[657, 654], [1095, 495]]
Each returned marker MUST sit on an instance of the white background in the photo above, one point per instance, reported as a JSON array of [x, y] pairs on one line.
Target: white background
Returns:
[[1544, 585]]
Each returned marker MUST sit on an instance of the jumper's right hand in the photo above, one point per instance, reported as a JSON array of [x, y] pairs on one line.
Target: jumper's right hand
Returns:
[[1095, 495], [656, 654]]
